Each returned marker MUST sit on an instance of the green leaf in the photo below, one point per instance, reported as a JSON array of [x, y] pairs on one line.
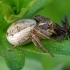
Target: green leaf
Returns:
[[16, 9], [15, 59], [39, 4], [13, 11], [5, 9], [56, 48]]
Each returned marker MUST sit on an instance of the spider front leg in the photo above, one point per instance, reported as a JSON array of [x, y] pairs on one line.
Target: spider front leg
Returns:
[[43, 34], [12, 48], [38, 44]]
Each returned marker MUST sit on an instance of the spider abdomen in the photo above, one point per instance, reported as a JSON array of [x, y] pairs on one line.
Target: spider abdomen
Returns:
[[18, 32]]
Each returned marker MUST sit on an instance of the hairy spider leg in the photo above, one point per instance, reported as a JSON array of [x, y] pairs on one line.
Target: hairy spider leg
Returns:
[[12, 48], [60, 32], [38, 44], [42, 33], [66, 26], [65, 23], [64, 31]]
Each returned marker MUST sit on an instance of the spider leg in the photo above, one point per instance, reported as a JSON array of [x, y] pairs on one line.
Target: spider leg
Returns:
[[42, 33], [65, 23], [12, 48], [60, 32], [38, 44], [66, 26]]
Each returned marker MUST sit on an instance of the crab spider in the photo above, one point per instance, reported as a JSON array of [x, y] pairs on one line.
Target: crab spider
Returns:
[[26, 30]]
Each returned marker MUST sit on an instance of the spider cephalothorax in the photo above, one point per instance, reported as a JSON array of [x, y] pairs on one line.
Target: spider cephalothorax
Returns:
[[64, 31], [45, 23]]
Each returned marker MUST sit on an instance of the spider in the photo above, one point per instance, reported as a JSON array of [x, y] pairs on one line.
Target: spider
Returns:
[[64, 31], [26, 30]]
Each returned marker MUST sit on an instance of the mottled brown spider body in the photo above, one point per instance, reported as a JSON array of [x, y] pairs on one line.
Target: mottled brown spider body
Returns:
[[23, 31]]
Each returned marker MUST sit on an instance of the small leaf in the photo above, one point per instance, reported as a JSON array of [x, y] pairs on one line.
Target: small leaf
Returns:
[[12, 13], [16, 9]]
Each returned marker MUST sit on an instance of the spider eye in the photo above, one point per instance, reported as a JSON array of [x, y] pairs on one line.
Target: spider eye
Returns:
[[49, 25]]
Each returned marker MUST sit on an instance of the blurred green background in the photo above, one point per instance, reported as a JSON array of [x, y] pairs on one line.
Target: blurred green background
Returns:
[[56, 11]]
